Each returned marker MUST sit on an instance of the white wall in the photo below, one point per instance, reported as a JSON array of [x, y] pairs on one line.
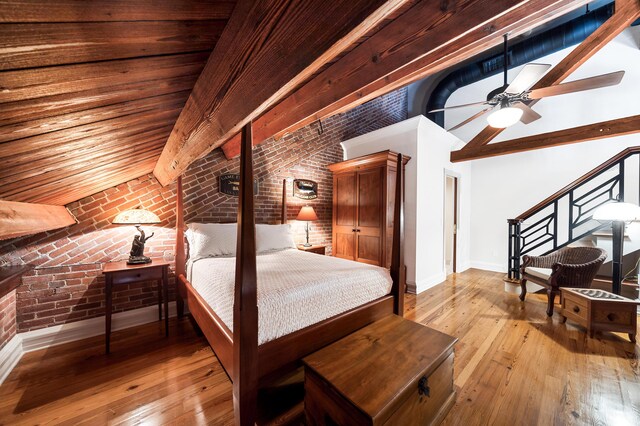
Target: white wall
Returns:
[[429, 147], [506, 186]]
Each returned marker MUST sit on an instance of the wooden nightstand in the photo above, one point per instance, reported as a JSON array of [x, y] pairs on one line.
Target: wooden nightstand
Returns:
[[319, 249], [120, 273], [600, 310]]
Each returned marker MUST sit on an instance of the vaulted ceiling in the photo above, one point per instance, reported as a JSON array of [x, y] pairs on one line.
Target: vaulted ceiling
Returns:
[[92, 92], [89, 90]]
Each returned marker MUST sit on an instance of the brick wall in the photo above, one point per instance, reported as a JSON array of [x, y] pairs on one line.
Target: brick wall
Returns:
[[7, 318], [67, 283]]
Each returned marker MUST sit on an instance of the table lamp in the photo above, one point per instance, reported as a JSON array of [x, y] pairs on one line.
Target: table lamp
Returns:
[[307, 214], [137, 217], [618, 213]]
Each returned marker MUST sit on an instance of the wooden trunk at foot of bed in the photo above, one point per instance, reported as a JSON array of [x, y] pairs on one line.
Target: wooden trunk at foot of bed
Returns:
[[238, 351]]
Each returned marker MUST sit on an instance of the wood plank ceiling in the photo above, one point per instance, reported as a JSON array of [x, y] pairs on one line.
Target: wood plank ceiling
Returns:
[[90, 90]]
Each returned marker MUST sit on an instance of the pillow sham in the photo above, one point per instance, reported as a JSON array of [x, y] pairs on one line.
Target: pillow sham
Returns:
[[274, 237], [211, 239]]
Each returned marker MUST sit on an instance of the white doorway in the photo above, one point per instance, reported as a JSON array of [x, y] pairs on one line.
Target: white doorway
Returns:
[[450, 223]]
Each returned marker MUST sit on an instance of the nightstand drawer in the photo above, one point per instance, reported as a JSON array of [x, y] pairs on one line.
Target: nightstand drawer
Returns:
[[137, 275], [576, 309]]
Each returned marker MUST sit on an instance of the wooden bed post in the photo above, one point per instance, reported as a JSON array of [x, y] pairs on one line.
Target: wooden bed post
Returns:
[[284, 201], [397, 253], [180, 254], [245, 308]]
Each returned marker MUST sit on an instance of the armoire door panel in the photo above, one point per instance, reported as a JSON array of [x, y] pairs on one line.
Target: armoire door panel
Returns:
[[344, 245], [369, 249], [345, 194], [370, 209]]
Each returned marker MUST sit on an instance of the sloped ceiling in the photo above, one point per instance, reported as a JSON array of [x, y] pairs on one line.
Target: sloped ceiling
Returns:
[[90, 90]]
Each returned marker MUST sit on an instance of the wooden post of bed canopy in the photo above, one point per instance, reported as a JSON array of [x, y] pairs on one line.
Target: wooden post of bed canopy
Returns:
[[397, 253], [180, 253], [245, 308], [284, 201]]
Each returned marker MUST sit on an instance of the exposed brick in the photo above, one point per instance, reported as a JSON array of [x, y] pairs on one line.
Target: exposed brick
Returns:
[[67, 284]]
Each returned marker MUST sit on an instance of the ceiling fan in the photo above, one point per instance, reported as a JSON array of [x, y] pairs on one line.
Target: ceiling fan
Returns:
[[508, 104]]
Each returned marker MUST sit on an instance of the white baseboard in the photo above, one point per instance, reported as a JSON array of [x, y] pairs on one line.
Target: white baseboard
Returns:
[[486, 266], [426, 283], [65, 333], [10, 354]]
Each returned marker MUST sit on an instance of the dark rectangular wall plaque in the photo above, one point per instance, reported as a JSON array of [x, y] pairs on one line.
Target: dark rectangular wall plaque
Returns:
[[230, 184], [305, 189]]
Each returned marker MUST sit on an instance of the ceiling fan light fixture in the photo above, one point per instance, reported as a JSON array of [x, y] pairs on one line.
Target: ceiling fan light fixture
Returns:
[[504, 117]]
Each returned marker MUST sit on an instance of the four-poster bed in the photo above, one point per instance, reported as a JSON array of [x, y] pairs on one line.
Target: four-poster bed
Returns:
[[247, 362]]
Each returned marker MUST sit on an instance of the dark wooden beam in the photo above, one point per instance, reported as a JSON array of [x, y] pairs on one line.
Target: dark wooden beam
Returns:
[[245, 307], [11, 278], [590, 132], [626, 12], [427, 38], [18, 219], [268, 48], [397, 268]]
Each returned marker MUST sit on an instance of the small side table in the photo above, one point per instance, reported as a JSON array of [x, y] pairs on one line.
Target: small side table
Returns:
[[116, 273], [600, 310], [318, 249]]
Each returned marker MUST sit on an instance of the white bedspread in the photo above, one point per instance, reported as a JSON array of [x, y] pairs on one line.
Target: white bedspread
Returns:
[[295, 289]]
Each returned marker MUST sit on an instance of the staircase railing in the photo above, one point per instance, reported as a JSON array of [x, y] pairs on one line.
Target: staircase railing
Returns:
[[566, 216]]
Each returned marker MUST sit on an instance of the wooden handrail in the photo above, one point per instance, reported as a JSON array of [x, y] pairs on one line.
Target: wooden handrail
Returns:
[[602, 167]]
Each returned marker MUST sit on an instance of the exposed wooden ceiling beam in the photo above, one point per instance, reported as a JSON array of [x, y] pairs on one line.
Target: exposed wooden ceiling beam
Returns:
[[589, 132], [626, 12], [267, 49], [424, 40], [18, 219]]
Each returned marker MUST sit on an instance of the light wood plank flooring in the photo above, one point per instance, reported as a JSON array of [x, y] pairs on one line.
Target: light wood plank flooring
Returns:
[[513, 367]]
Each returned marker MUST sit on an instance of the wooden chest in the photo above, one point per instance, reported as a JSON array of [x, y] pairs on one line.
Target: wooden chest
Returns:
[[600, 310], [392, 372]]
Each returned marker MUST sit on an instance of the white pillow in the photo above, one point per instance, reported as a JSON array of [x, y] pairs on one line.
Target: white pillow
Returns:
[[274, 237], [211, 239]]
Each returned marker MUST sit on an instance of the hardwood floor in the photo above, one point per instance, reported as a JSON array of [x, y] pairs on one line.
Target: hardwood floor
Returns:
[[513, 366]]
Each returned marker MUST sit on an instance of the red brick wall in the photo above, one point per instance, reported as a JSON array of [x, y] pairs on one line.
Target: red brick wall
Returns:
[[67, 283], [7, 318]]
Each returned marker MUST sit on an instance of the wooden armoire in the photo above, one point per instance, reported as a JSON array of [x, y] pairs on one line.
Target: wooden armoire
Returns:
[[363, 199]]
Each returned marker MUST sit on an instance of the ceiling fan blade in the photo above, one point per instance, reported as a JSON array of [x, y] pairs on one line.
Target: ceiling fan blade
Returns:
[[596, 82], [458, 106], [470, 119], [528, 115], [527, 77]]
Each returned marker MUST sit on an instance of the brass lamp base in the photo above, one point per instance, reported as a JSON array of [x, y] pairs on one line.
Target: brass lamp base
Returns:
[[138, 260]]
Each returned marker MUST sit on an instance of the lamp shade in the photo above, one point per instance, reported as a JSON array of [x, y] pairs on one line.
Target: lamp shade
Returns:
[[625, 212], [138, 216], [307, 213]]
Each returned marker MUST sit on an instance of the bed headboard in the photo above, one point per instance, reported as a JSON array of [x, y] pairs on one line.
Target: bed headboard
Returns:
[[180, 252]]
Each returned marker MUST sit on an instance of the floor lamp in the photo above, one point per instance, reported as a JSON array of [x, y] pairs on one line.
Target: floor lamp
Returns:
[[618, 214]]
